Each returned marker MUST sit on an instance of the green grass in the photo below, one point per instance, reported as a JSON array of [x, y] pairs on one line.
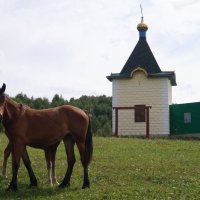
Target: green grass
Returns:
[[121, 169]]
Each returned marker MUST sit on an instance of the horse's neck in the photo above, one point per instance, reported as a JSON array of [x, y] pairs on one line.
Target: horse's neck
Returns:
[[11, 109]]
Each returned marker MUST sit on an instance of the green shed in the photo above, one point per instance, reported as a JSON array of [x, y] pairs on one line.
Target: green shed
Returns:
[[185, 119]]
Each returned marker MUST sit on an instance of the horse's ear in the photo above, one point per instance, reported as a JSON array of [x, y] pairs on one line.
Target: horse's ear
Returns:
[[3, 88]]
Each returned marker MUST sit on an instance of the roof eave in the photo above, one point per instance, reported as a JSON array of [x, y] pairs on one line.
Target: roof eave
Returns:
[[117, 76], [168, 74]]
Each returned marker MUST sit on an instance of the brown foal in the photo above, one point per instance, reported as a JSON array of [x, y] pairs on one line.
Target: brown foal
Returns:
[[50, 154]]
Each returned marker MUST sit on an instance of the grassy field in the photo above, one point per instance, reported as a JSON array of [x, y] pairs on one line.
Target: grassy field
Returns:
[[121, 169]]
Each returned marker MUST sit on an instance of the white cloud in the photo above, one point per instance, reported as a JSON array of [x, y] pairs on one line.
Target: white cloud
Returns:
[[68, 47]]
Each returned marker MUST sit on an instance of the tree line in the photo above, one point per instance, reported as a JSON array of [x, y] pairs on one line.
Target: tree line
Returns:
[[100, 108]]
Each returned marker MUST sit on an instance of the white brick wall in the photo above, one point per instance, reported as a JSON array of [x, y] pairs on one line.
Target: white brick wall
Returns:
[[155, 92]]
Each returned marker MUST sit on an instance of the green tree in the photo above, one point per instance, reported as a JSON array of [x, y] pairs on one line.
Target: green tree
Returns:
[[58, 101], [40, 103]]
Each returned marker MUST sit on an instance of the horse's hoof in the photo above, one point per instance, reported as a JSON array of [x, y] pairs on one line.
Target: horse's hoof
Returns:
[[54, 181], [12, 188], [33, 184], [50, 182], [4, 174], [86, 186], [62, 185]]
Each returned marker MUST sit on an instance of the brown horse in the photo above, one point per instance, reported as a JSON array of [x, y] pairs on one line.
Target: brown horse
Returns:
[[44, 129], [50, 154]]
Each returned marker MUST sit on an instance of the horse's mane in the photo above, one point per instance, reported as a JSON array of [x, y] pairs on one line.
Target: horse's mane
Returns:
[[9, 99], [21, 106]]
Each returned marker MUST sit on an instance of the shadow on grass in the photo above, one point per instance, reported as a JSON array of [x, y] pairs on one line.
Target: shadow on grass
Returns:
[[24, 192]]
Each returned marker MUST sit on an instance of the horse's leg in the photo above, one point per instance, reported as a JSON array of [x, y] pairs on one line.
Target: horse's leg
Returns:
[[86, 151], [69, 148], [17, 150], [49, 164], [50, 154], [53, 156], [81, 148], [7, 152], [27, 163]]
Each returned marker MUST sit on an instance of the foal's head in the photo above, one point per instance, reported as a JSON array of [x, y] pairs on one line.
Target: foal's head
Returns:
[[2, 100]]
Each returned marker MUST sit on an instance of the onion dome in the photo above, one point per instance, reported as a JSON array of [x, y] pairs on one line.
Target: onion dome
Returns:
[[142, 58], [142, 28]]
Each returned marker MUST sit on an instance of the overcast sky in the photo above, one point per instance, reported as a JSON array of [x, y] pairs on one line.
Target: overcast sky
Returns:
[[68, 47]]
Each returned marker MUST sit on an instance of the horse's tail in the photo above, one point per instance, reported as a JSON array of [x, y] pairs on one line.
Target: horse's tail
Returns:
[[88, 144]]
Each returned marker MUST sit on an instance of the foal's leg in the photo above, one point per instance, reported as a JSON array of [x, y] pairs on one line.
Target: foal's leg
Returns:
[[53, 156], [50, 154], [7, 152], [49, 165], [27, 163], [69, 148]]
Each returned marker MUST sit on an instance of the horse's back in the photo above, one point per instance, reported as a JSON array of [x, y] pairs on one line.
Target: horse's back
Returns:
[[73, 111], [74, 116], [54, 123]]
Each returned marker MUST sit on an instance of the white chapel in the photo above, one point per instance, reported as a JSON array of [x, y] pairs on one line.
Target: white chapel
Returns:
[[141, 93]]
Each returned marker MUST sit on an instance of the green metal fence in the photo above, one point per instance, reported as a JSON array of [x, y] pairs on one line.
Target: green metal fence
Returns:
[[185, 118]]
